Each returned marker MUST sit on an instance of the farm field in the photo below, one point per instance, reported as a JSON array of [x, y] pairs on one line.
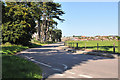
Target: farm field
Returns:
[[103, 45]]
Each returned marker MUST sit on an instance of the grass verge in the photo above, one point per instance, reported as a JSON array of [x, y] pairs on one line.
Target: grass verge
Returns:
[[12, 48], [17, 67]]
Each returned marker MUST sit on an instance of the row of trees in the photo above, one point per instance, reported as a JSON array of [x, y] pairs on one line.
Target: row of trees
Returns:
[[18, 21]]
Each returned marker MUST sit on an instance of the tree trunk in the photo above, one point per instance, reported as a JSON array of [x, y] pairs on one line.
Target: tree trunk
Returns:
[[39, 30], [47, 30], [42, 32]]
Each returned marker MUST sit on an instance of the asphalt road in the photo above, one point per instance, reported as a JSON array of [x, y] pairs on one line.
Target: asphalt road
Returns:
[[57, 63]]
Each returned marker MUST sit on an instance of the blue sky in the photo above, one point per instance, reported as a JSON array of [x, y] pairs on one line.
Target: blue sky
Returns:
[[89, 18]]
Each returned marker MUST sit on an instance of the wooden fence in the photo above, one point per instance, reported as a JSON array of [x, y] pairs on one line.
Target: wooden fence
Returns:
[[85, 47]]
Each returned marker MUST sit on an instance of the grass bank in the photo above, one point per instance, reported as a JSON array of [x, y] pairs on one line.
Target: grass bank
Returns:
[[12, 48], [17, 67]]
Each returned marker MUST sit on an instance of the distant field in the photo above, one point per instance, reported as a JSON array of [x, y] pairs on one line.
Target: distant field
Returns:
[[103, 45]]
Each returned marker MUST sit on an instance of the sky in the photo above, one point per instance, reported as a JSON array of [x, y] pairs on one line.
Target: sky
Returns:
[[89, 18]]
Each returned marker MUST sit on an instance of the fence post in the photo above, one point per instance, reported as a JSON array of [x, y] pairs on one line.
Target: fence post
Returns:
[[73, 44], [85, 45], [113, 47], [77, 45], [97, 46], [64, 44]]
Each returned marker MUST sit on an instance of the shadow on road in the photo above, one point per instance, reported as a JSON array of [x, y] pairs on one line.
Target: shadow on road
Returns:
[[57, 58]]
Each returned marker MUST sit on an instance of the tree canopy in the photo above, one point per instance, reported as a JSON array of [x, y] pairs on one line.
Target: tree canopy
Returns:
[[18, 21]]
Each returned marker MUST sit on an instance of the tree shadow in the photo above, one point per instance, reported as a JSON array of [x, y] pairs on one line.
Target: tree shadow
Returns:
[[57, 59], [48, 46]]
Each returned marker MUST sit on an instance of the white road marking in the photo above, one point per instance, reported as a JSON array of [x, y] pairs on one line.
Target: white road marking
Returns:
[[57, 69], [65, 66], [86, 76], [44, 64], [70, 72], [41, 63], [38, 62], [27, 57]]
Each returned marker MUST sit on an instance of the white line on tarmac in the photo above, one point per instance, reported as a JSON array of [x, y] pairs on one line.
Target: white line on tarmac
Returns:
[[65, 66], [45, 64], [86, 76], [41, 63], [57, 69], [38, 62]]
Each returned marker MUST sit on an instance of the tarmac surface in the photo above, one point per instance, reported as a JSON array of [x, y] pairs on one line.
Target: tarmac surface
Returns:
[[58, 63]]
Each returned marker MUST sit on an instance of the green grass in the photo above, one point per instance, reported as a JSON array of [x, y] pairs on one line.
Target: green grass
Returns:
[[37, 43], [103, 45], [11, 49], [17, 67], [42, 43]]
